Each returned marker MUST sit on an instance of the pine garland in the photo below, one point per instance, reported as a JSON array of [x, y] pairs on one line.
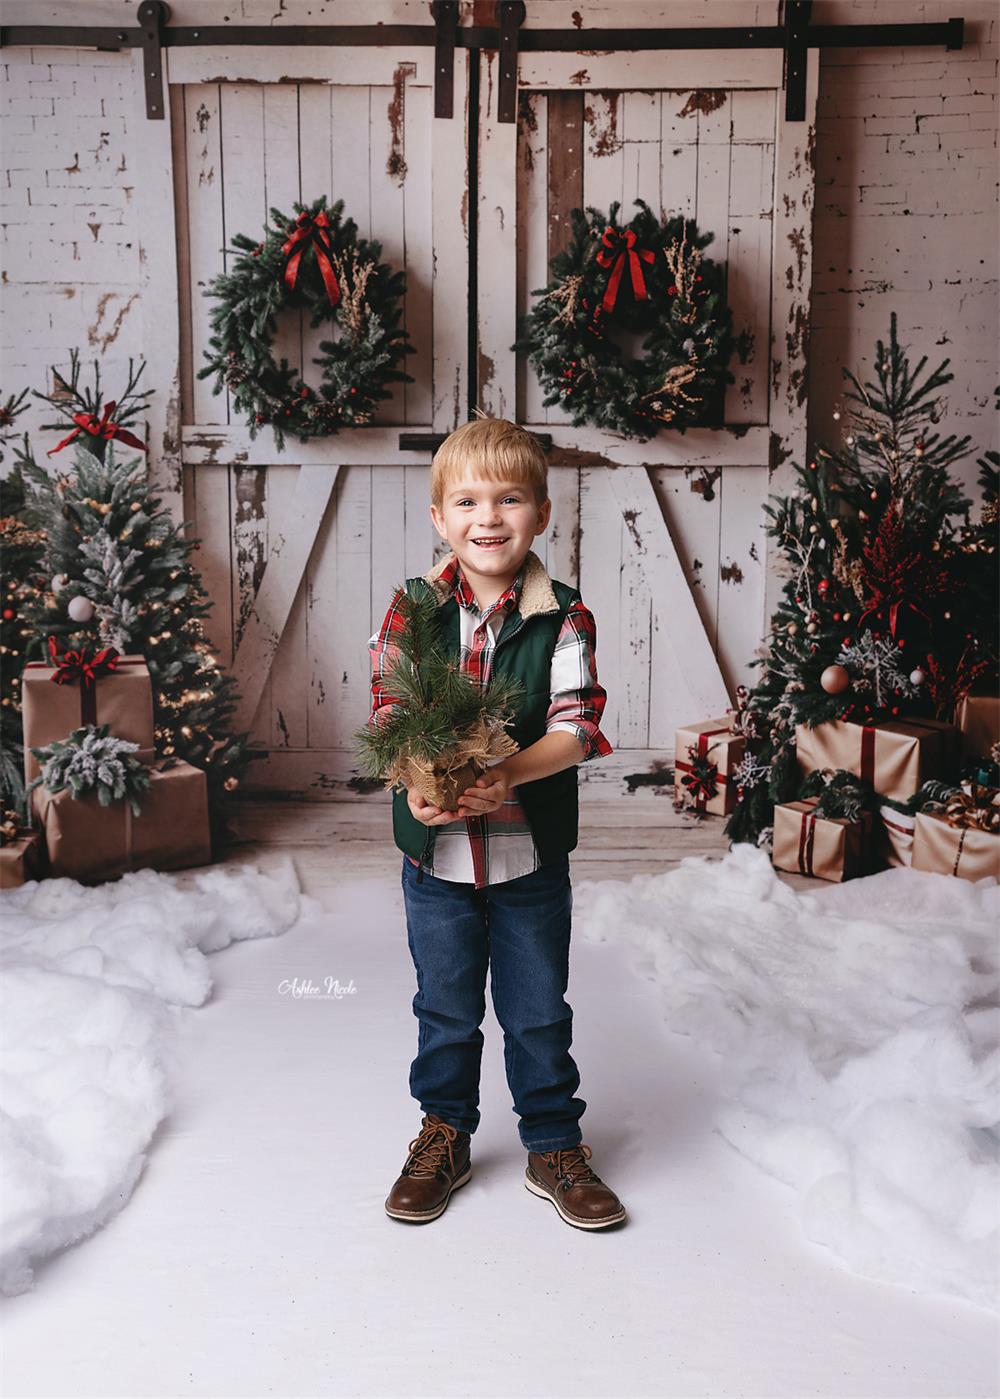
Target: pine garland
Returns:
[[318, 263], [648, 276]]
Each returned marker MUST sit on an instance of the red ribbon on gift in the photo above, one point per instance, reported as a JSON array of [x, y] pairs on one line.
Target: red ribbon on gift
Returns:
[[807, 833], [703, 789], [100, 427], [618, 246], [74, 666], [309, 232]]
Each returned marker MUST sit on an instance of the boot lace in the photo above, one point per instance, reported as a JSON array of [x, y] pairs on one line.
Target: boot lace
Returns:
[[431, 1148], [570, 1165]]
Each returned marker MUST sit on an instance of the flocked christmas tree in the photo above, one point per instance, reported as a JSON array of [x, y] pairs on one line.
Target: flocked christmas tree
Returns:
[[889, 608], [117, 571]]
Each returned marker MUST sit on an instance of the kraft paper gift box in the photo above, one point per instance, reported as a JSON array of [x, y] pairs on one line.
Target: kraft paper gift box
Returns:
[[123, 699], [715, 739], [978, 720], [894, 838], [896, 757], [19, 860], [826, 847], [968, 852], [90, 842]]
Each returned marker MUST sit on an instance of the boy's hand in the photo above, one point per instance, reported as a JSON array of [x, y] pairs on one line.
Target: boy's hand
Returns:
[[426, 812], [488, 794]]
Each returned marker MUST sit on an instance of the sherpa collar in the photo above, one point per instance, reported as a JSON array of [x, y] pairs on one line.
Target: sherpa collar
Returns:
[[537, 593]]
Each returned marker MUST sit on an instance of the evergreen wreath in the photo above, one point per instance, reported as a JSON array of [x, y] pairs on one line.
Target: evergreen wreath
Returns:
[[318, 263], [647, 276]]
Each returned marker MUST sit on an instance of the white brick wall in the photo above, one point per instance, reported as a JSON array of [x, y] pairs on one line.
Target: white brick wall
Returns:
[[69, 253], [906, 205], [906, 212]]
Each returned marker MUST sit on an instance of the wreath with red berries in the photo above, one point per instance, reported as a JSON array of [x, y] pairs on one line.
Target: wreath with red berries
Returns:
[[315, 262], [650, 277]]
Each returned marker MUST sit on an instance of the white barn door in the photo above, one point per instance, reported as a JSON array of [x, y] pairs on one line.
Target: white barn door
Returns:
[[300, 548], [665, 539]]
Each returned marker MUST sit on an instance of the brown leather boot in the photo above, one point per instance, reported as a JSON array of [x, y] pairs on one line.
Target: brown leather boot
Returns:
[[438, 1163], [580, 1196]]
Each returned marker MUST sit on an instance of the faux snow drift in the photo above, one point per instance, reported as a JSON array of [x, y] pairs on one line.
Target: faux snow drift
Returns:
[[92, 982], [857, 1028]]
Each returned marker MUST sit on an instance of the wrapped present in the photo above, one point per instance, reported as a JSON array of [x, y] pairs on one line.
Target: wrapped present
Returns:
[[705, 757], [20, 859], [977, 719], [826, 847], [962, 838], [90, 842], [895, 757], [78, 688], [894, 837]]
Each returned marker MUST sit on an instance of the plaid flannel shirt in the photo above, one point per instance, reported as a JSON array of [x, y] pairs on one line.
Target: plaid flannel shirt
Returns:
[[498, 846]]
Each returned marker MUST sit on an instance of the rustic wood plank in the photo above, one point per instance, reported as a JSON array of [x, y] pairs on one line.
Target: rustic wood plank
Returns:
[[339, 608], [283, 709], [253, 63], [386, 176], [694, 529], [418, 252], [680, 69], [696, 661], [710, 447], [497, 251], [531, 235], [210, 514], [742, 547], [206, 235], [795, 188], [450, 233], [290, 546], [600, 567], [158, 293]]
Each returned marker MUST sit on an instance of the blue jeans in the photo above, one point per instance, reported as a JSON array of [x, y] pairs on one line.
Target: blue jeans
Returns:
[[522, 929]]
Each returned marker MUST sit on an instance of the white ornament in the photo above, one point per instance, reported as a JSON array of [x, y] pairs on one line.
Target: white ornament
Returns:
[[917, 677], [80, 609], [59, 582]]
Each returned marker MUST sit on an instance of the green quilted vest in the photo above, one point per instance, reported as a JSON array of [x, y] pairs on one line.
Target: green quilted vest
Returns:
[[524, 649]]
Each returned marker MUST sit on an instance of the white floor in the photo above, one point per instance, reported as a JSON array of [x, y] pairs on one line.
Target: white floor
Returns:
[[255, 1257]]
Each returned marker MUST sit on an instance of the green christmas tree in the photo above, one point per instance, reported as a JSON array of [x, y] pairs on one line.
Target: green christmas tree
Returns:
[[117, 572], [889, 604], [20, 550]]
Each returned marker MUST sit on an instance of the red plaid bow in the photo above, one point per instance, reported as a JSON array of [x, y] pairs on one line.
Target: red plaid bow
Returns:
[[311, 232]]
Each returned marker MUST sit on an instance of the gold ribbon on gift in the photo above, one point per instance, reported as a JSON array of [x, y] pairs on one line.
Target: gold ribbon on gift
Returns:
[[975, 809]]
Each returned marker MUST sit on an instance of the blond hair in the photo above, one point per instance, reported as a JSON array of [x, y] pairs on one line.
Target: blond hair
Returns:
[[492, 448]]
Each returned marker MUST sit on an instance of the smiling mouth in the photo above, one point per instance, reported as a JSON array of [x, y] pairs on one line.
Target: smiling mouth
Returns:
[[486, 543]]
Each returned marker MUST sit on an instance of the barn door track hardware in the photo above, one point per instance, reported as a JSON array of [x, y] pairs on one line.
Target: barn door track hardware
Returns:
[[794, 34]]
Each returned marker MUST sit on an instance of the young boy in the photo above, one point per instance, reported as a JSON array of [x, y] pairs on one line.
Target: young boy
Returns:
[[488, 885]]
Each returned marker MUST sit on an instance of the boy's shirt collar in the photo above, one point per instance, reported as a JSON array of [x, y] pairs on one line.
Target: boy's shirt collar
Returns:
[[531, 590]]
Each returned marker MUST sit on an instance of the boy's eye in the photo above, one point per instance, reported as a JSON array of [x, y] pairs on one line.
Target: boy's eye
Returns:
[[516, 499]]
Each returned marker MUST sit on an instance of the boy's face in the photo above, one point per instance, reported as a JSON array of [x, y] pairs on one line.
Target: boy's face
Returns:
[[475, 511]]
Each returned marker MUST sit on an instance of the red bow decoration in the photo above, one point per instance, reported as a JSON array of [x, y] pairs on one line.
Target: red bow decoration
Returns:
[[617, 245], [100, 427], [311, 232], [893, 610], [72, 666]]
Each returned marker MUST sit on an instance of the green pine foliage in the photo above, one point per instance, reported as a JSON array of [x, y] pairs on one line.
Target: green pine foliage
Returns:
[[879, 555], [436, 704], [111, 541], [20, 550]]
